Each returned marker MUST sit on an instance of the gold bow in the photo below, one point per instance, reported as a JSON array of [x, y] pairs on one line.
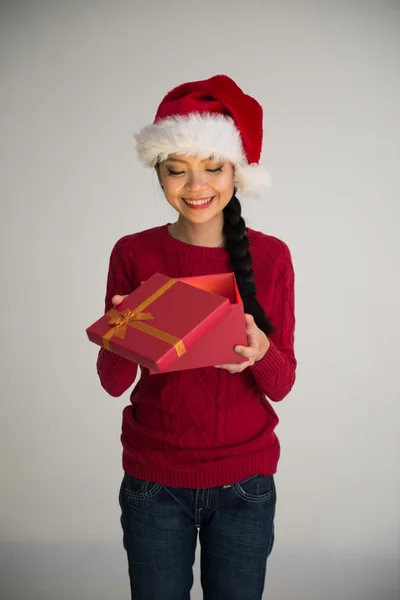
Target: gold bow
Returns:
[[120, 321]]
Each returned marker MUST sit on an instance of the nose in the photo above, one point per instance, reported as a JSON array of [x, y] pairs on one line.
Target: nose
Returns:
[[196, 181]]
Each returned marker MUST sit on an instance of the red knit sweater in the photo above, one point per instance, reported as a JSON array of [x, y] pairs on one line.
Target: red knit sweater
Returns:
[[202, 427]]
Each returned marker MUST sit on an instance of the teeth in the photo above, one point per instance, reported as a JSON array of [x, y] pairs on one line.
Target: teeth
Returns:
[[198, 202]]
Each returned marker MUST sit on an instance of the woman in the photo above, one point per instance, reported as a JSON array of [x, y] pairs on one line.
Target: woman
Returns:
[[199, 448]]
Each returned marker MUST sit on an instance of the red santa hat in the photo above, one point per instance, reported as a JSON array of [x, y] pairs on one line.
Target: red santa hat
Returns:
[[209, 118]]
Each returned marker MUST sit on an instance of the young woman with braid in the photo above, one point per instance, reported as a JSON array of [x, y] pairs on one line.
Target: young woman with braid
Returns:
[[199, 447]]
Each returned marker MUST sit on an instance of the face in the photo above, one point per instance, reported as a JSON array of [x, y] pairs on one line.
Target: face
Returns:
[[198, 189]]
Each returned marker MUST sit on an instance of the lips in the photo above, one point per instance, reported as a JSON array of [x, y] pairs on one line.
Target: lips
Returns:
[[199, 202]]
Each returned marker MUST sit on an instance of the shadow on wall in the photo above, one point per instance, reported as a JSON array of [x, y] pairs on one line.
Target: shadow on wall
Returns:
[[66, 572]]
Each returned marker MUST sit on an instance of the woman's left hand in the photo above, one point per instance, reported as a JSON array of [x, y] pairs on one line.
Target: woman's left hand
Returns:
[[258, 346]]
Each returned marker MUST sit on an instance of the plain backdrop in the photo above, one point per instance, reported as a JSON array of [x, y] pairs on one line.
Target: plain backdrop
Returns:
[[77, 80]]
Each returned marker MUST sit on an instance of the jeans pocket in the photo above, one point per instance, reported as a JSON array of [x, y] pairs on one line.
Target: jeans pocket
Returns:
[[138, 489], [259, 488]]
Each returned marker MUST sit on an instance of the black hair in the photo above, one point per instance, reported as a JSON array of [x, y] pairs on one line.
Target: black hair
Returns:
[[237, 245]]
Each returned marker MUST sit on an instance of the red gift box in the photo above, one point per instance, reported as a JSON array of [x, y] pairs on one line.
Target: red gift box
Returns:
[[216, 346], [159, 322]]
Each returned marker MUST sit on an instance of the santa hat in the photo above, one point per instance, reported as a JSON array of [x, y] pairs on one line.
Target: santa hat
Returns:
[[213, 117]]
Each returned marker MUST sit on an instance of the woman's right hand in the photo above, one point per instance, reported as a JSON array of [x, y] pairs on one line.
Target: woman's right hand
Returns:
[[116, 300]]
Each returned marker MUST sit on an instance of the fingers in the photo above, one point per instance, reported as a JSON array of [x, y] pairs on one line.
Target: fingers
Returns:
[[257, 341], [236, 367], [232, 369], [250, 352], [249, 320], [116, 300], [251, 329], [246, 351]]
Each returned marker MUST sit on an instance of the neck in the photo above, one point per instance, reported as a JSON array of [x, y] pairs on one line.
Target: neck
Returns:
[[208, 234]]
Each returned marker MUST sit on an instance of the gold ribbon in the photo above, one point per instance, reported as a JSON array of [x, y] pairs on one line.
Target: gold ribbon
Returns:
[[119, 321]]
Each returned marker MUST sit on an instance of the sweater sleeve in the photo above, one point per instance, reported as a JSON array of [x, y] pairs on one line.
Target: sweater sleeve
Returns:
[[117, 374], [275, 374]]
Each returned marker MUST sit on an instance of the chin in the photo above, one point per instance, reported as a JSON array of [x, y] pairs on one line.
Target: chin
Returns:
[[198, 216]]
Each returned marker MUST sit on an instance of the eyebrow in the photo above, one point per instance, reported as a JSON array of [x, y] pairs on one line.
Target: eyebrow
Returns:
[[172, 159]]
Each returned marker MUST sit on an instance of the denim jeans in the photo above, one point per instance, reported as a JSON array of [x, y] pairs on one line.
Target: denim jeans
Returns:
[[236, 532]]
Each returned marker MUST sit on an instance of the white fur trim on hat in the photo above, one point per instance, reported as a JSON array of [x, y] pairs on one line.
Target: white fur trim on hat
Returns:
[[202, 135], [252, 180]]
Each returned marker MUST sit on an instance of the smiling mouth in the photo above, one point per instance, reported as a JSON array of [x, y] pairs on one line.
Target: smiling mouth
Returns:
[[199, 202]]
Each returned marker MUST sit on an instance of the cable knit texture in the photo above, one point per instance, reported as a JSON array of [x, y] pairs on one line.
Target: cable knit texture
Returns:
[[202, 427]]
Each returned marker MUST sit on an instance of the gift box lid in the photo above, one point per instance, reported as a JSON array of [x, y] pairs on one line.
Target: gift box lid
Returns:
[[159, 322], [216, 346]]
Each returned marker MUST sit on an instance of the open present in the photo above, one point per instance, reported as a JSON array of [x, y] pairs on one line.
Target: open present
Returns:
[[158, 324]]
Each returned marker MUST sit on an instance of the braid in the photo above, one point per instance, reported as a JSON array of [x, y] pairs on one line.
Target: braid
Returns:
[[237, 245]]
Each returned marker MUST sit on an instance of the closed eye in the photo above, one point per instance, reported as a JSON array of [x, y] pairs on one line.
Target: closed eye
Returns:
[[170, 172], [177, 173]]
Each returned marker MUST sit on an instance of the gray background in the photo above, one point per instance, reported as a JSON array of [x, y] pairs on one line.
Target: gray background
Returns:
[[77, 79]]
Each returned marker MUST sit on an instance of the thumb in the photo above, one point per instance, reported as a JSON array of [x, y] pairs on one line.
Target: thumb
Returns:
[[117, 299], [251, 329]]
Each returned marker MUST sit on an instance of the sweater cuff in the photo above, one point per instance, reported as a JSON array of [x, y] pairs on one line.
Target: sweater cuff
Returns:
[[119, 363], [269, 365], [116, 373]]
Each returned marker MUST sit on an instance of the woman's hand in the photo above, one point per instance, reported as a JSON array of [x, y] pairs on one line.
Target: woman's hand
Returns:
[[258, 346], [116, 300]]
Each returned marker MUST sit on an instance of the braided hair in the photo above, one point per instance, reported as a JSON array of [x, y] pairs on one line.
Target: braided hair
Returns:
[[237, 245]]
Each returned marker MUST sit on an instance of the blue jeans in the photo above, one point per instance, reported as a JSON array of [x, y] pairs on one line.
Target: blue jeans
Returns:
[[236, 531]]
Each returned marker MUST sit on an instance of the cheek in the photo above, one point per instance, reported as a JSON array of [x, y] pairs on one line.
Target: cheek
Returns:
[[171, 187], [174, 192], [226, 187]]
